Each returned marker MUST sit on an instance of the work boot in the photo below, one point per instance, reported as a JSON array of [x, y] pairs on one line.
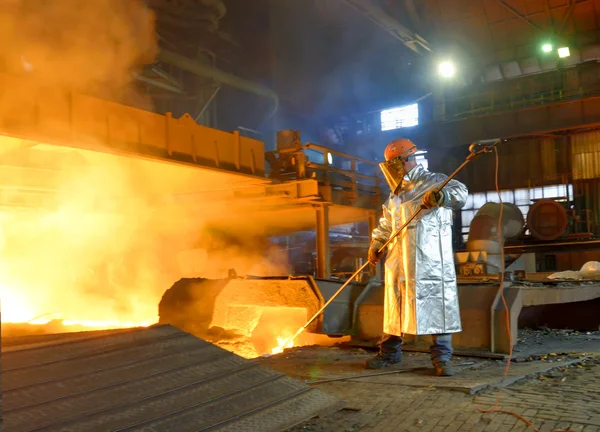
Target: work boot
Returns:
[[381, 362], [443, 369]]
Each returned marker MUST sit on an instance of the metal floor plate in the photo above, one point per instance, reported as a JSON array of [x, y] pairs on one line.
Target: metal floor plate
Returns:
[[154, 379]]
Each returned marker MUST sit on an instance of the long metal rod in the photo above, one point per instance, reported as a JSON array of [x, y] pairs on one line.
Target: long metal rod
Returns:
[[524, 248], [207, 104], [487, 146]]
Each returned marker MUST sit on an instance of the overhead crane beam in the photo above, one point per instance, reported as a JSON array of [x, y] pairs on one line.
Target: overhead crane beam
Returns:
[[389, 24], [520, 15]]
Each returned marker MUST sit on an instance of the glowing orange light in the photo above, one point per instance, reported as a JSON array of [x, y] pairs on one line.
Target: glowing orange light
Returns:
[[280, 342]]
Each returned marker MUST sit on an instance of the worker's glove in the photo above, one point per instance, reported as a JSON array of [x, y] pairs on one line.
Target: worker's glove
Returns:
[[374, 255], [433, 199]]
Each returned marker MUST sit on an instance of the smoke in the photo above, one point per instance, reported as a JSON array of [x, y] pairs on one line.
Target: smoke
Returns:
[[88, 236], [218, 251], [90, 47], [70, 227], [106, 239]]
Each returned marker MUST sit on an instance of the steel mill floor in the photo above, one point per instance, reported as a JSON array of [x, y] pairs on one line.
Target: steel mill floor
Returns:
[[554, 381], [154, 379]]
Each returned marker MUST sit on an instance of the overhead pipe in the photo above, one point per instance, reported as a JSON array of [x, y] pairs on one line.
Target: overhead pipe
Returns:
[[220, 76], [159, 84]]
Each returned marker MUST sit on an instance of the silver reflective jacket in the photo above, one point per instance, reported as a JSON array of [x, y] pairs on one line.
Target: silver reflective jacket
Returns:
[[420, 280]]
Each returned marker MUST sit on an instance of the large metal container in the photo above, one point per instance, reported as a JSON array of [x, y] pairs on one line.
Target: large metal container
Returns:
[[547, 220], [483, 233]]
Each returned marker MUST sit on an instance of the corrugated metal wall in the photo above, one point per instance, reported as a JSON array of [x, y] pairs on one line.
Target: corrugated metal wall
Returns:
[[585, 154], [533, 163], [522, 163]]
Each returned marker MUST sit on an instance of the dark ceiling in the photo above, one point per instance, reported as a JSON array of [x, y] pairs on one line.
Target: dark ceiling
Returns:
[[504, 30], [330, 58], [325, 57], [322, 56]]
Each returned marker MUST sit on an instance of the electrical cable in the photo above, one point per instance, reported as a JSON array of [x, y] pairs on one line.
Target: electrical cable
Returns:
[[495, 408]]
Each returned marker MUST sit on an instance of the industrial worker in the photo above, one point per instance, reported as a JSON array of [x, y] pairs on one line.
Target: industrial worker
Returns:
[[420, 280]]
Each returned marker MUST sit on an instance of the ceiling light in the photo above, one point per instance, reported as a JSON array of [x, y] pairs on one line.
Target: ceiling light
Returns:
[[564, 52], [446, 69], [547, 47]]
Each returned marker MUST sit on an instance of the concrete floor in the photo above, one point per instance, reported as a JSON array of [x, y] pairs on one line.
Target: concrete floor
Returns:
[[555, 383]]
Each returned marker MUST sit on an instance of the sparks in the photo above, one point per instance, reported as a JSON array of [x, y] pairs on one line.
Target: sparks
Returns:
[[279, 348]]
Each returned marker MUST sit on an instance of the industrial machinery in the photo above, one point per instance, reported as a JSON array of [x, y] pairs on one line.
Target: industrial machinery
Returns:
[[241, 313], [348, 244], [342, 177], [487, 238], [550, 225], [200, 176]]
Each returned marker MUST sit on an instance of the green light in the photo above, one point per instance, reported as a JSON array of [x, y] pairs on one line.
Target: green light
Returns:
[[547, 47]]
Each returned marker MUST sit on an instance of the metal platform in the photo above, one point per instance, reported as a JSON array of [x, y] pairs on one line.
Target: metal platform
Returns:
[[155, 379]]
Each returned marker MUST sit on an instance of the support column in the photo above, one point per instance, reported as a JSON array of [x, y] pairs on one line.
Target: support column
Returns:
[[323, 250], [372, 226]]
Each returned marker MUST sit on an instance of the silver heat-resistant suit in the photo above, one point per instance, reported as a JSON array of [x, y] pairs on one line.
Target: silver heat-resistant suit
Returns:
[[420, 281]]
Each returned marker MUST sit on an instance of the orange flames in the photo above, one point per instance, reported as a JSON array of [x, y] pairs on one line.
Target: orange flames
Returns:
[[280, 345], [61, 242]]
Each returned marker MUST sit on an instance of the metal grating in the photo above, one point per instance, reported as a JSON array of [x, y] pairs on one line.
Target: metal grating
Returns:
[[155, 379]]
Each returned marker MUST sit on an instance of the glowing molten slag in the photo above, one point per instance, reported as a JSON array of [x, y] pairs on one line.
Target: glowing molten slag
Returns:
[[97, 325], [280, 342]]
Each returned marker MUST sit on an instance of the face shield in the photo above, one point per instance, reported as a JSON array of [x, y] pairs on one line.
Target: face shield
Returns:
[[394, 173]]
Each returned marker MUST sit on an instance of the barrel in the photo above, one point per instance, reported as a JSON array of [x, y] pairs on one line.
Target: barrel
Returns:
[[547, 220]]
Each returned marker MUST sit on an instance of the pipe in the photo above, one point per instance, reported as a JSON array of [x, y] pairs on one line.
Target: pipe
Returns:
[[483, 232], [220, 76], [158, 84]]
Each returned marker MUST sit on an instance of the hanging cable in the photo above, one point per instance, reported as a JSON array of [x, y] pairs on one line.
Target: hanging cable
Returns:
[[495, 408]]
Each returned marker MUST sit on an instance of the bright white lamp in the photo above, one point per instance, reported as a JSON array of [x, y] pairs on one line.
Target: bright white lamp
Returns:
[[446, 69]]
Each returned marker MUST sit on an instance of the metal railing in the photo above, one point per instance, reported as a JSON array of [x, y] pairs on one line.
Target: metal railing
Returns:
[[489, 103], [339, 170]]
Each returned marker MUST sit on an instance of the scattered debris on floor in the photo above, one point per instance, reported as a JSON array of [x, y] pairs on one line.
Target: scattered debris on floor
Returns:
[[557, 400]]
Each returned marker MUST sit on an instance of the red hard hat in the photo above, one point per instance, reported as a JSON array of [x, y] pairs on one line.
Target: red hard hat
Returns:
[[400, 148]]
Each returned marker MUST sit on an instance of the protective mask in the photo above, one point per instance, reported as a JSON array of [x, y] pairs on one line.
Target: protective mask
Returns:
[[394, 173]]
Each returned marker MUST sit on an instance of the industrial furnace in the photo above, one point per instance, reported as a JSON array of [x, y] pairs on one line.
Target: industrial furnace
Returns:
[[217, 182]]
